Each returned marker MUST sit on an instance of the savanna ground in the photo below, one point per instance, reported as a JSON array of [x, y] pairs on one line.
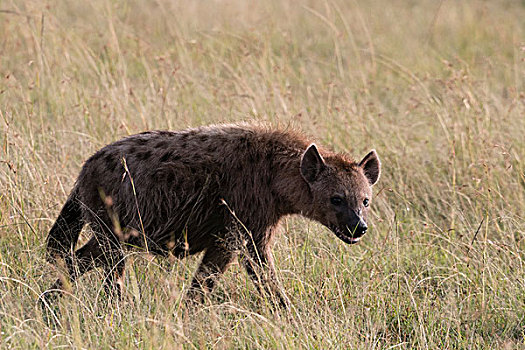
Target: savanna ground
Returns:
[[437, 87]]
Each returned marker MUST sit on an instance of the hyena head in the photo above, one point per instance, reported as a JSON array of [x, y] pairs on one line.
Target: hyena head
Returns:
[[341, 191]]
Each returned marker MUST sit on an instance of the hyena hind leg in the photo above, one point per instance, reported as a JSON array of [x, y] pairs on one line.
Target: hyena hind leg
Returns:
[[112, 260], [214, 263], [84, 260], [99, 251]]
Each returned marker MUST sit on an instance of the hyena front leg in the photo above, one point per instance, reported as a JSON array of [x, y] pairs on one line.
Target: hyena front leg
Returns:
[[260, 266], [215, 261]]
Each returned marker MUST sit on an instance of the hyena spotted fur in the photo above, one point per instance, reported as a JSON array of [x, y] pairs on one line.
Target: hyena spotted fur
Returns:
[[220, 189]]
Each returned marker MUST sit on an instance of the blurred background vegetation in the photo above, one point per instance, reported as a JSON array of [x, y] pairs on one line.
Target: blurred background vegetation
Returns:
[[437, 87]]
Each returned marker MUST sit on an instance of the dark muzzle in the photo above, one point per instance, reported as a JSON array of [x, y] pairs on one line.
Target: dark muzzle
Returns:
[[357, 226]]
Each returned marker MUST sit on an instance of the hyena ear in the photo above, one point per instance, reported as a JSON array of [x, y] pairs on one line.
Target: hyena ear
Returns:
[[311, 163], [372, 166]]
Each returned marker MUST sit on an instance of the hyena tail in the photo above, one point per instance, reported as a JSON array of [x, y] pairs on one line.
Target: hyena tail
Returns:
[[63, 236]]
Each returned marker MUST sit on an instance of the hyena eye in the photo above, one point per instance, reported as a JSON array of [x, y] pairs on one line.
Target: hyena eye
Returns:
[[366, 202], [337, 201]]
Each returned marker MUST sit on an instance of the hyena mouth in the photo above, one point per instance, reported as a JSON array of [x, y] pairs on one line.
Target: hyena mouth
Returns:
[[342, 234]]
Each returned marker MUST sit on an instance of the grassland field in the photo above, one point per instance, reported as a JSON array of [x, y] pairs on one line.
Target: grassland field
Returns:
[[436, 87]]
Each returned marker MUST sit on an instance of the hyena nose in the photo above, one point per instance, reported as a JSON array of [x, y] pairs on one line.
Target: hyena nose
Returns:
[[362, 226]]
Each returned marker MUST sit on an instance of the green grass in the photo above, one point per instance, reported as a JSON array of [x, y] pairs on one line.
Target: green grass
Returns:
[[438, 88]]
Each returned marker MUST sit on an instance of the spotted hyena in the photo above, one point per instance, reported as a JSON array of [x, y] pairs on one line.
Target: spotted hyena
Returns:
[[219, 189]]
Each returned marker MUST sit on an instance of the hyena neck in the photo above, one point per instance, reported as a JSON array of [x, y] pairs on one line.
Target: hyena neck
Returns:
[[291, 190]]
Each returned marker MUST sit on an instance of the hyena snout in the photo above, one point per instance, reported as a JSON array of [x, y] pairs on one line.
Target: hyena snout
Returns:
[[350, 227]]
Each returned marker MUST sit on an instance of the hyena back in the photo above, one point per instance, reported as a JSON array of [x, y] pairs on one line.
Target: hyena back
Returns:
[[220, 189]]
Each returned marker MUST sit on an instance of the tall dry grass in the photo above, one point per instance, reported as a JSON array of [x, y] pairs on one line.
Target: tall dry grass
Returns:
[[436, 87]]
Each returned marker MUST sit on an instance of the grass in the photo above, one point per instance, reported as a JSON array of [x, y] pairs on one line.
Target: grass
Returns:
[[438, 88]]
